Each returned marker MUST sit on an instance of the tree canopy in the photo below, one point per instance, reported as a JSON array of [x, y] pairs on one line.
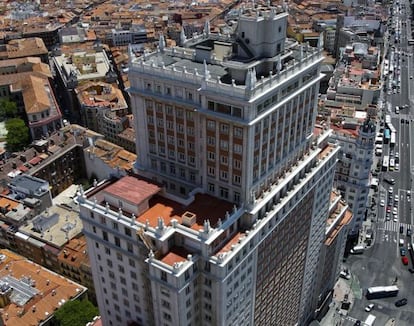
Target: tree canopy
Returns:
[[8, 109], [17, 135], [76, 313]]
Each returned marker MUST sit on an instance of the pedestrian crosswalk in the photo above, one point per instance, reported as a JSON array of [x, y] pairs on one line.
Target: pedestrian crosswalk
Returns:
[[390, 232], [395, 226]]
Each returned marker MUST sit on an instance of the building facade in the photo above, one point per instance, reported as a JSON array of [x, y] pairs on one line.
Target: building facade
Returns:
[[352, 176], [226, 222]]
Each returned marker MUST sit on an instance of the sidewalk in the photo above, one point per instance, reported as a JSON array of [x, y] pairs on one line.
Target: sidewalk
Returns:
[[342, 294]]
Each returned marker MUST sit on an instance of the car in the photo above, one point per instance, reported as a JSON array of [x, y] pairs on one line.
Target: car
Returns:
[[408, 193], [401, 229], [397, 167], [369, 307], [397, 155], [403, 252], [411, 77], [382, 202], [404, 260], [357, 323], [390, 190], [401, 302], [345, 275], [396, 198], [395, 219], [388, 209], [408, 232], [388, 216], [394, 211]]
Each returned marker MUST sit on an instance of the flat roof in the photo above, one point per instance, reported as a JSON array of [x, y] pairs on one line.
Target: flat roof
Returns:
[[68, 226], [29, 182], [204, 207], [175, 255], [132, 189]]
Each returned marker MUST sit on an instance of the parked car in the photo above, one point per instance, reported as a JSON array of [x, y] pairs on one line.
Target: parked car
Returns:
[[404, 260], [401, 302], [345, 275], [403, 251], [408, 232]]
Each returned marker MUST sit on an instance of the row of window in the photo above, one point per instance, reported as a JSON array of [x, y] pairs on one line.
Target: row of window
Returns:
[[225, 129]]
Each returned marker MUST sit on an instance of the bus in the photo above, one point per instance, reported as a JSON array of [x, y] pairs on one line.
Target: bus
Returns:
[[392, 164], [392, 140], [378, 292], [385, 162]]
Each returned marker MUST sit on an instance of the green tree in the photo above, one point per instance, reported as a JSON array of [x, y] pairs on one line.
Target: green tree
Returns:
[[17, 135], [8, 109], [76, 313]]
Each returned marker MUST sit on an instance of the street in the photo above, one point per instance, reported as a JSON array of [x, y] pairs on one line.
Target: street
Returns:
[[381, 264]]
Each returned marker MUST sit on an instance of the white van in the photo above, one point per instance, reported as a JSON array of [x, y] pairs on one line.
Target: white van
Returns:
[[401, 242], [397, 109]]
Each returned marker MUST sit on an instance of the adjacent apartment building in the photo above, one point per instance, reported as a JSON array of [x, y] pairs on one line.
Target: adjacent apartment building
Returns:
[[225, 222]]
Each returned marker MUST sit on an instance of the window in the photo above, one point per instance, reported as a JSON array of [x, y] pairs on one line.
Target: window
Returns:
[[105, 235], [119, 256], [128, 232], [211, 171], [211, 156], [164, 276], [224, 128], [237, 197], [223, 175], [238, 132], [117, 242], [211, 187], [130, 247], [224, 144], [224, 159], [224, 192], [238, 148], [236, 179], [211, 124], [237, 164]]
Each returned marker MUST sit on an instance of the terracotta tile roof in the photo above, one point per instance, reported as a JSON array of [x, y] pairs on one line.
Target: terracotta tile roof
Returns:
[[35, 96], [132, 189], [19, 77], [52, 291], [26, 47], [74, 253]]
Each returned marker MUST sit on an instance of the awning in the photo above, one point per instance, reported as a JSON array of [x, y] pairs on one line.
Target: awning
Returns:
[[35, 160]]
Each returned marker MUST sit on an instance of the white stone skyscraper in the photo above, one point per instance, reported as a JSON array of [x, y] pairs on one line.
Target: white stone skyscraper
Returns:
[[225, 222]]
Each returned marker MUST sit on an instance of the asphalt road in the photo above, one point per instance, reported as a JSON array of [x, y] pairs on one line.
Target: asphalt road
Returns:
[[381, 264]]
